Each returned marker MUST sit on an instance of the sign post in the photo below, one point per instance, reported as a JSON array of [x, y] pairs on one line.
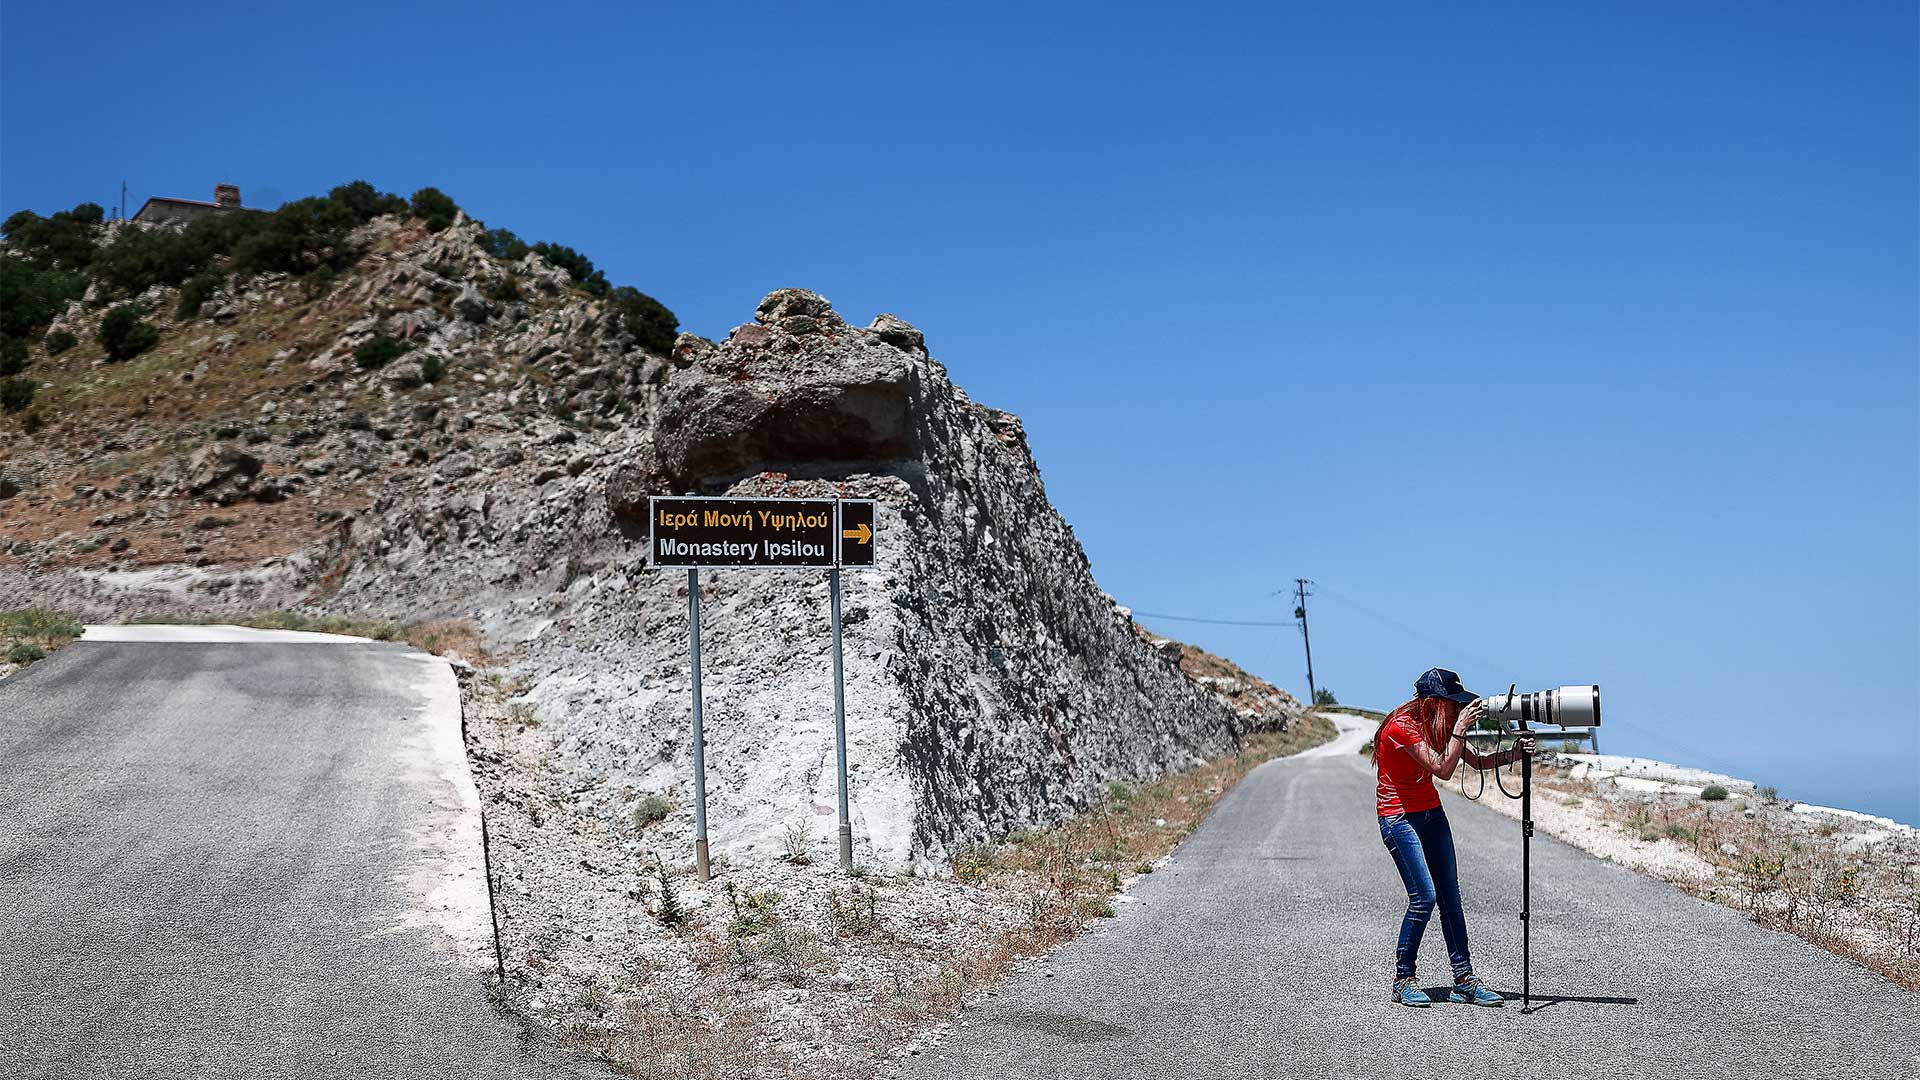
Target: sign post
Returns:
[[699, 734], [762, 534]]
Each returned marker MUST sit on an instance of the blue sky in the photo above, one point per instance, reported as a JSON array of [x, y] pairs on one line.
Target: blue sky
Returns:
[[1559, 343]]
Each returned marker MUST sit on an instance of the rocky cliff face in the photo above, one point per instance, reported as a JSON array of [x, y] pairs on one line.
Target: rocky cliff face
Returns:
[[991, 685]]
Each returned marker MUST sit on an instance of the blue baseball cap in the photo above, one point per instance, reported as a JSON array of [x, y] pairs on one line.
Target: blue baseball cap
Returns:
[[1441, 683]]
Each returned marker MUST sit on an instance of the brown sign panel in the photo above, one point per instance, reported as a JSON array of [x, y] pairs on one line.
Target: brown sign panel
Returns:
[[856, 532], [698, 532]]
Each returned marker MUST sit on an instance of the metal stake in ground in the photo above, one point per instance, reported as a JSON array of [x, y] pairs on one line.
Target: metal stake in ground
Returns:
[[699, 734], [840, 725]]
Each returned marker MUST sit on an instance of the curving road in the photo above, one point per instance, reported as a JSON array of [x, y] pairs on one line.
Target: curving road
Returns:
[[240, 853], [1264, 949]]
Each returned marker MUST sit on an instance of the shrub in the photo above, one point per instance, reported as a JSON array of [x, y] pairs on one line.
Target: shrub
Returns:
[[434, 207], [60, 341], [32, 424], [578, 267], [503, 244], [25, 653], [798, 844], [141, 258], [651, 809], [653, 327], [31, 296], [973, 863], [17, 393], [1324, 696], [857, 916], [506, 290], [365, 202], [318, 282], [13, 356], [377, 351], [1769, 793], [296, 239], [123, 335], [1713, 793], [433, 369], [64, 241], [194, 293], [670, 913]]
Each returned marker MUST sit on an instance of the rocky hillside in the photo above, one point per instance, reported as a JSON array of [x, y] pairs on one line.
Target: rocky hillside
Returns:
[[438, 432]]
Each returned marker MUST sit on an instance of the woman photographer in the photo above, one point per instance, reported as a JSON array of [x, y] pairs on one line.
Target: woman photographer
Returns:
[[1415, 743]]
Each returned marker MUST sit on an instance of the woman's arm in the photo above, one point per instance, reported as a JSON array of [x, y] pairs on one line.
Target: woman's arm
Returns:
[[1505, 757], [1442, 764]]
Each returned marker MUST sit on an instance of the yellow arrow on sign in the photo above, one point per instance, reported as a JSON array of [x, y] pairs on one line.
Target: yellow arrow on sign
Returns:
[[862, 534]]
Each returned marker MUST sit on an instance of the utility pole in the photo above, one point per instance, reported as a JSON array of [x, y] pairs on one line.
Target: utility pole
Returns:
[[1300, 612]]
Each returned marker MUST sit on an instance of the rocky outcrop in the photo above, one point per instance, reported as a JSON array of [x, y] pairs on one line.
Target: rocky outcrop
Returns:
[[796, 390], [991, 685]]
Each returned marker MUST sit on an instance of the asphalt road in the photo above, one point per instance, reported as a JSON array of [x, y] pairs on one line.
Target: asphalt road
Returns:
[[249, 858], [1265, 949]]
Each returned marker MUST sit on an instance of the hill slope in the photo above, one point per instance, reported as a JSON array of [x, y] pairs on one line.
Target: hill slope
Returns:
[[492, 469]]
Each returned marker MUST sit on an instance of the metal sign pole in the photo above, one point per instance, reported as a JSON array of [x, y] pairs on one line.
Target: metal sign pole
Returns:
[[699, 734], [840, 726]]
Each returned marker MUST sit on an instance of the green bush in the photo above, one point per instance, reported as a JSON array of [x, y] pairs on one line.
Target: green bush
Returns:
[[650, 809], [378, 351], [32, 424], [1324, 696], [17, 393], [25, 653], [434, 207], [502, 244], [1713, 793], [13, 356], [123, 335], [194, 293], [297, 239], [64, 241], [365, 202], [433, 369], [60, 341], [31, 296], [653, 327], [578, 267]]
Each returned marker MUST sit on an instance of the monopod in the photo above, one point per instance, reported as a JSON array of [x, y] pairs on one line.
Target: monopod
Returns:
[[1567, 706]]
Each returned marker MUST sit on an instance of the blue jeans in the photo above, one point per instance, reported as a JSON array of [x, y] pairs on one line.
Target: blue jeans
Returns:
[[1422, 847]]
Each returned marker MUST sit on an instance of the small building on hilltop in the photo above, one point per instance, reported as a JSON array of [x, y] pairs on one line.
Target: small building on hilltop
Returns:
[[160, 210]]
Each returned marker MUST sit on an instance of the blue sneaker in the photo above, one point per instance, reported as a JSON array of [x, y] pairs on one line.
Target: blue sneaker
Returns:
[[1468, 991], [1406, 993]]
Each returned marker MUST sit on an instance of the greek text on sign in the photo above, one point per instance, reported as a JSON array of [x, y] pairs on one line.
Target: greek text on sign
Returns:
[[745, 533]]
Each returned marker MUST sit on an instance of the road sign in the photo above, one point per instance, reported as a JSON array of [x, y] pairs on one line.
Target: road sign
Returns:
[[856, 532], [741, 534], [693, 532]]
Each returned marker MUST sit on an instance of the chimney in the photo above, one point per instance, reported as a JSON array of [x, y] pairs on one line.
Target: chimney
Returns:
[[227, 195]]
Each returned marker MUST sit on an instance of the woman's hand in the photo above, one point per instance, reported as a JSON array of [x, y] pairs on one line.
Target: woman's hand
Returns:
[[1475, 711]]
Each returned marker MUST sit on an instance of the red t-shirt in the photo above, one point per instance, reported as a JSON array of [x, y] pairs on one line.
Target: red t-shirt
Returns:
[[1405, 787]]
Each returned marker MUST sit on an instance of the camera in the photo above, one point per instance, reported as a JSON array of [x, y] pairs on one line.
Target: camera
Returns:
[[1565, 706]]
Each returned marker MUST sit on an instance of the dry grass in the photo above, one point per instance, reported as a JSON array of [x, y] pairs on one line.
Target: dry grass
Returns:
[[30, 634], [1786, 871], [456, 638]]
